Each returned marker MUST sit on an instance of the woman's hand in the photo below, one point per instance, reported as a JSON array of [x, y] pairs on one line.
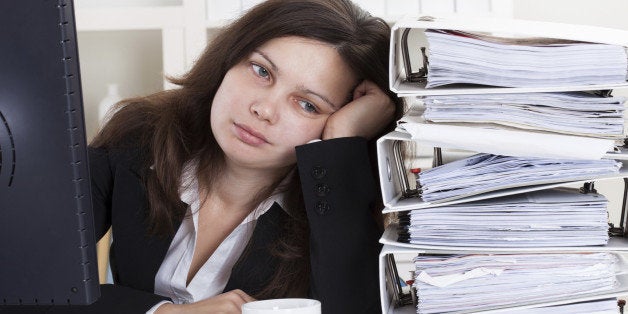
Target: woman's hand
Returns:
[[366, 115], [228, 302]]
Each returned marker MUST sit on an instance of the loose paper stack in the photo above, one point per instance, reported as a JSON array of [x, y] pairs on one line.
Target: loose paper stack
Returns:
[[574, 113], [606, 306], [483, 173], [549, 218], [458, 57], [446, 283]]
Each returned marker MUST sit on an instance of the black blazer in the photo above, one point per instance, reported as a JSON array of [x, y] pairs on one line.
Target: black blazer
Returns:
[[338, 189]]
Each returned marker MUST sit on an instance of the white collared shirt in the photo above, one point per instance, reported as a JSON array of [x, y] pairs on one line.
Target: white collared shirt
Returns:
[[212, 277]]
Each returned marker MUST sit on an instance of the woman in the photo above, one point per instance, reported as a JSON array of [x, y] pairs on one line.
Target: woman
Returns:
[[252, 180]]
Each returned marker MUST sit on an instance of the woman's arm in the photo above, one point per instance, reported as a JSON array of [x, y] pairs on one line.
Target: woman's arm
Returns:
[[339, 189], [339, 192]]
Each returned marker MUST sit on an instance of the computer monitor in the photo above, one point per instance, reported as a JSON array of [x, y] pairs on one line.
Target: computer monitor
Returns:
[[47, 245]]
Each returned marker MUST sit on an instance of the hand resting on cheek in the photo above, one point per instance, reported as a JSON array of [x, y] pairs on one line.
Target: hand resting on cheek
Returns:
[[366, 115]]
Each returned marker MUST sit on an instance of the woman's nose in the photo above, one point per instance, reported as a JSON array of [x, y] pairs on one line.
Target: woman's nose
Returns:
[[265, 109]]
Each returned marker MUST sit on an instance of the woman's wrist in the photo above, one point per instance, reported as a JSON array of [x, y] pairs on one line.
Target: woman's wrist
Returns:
[[332, 131], [170, 308]]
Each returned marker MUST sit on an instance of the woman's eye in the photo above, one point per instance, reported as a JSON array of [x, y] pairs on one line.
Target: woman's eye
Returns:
[[260, 71], [307, 106]]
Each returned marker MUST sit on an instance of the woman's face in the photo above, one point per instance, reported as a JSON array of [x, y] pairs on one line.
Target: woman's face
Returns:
[[277, 98]]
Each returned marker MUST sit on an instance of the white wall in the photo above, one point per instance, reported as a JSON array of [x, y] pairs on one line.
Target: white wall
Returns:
[[131, 59], [606, 13]]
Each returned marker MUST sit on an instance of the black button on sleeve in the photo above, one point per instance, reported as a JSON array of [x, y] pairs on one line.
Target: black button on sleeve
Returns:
[[318, 172], [322, 189], [322, 207]]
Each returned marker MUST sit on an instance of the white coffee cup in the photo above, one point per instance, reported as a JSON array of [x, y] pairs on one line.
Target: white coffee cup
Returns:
[[282, 306]]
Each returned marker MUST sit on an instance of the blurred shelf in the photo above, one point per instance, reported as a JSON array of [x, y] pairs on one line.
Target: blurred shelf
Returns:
[[129, 18]]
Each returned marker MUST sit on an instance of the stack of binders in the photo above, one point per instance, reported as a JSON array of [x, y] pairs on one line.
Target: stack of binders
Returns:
[[501, 227]]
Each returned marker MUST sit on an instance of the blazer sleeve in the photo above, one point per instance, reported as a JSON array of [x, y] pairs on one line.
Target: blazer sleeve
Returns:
[[114, 298], [338, 190], [101, 174]]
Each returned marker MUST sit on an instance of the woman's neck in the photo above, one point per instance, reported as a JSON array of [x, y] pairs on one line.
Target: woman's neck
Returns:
[[243, 188]]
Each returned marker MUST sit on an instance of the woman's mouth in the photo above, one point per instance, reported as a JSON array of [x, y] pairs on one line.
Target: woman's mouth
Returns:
[[249, 135]]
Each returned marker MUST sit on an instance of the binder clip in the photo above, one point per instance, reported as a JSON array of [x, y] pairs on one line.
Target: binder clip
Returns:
[[406, 191], [393, 281], [415, 77], [621, 231], [603, 92], [438, 157], [588, 187], [403, 233]]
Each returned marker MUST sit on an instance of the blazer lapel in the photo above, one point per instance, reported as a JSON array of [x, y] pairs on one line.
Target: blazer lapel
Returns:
[[257, 265]]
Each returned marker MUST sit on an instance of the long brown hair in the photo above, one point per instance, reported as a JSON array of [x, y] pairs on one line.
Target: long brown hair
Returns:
[[173, 126]]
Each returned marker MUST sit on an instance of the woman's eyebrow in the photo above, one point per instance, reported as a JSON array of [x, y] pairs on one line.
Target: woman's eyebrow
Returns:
[[325, 99], [272, 64]]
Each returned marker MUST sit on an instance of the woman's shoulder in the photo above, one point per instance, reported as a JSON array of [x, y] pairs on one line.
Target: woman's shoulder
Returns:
[[131, 150]]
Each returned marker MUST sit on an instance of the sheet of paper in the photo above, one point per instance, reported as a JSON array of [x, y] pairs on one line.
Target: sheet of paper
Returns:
[[504, 142], [456, 58]]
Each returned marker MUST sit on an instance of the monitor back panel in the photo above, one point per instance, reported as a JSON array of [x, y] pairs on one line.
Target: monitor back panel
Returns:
[[47, 245]]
